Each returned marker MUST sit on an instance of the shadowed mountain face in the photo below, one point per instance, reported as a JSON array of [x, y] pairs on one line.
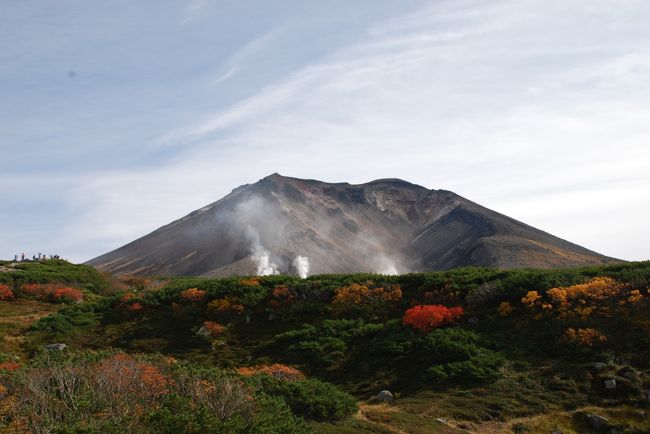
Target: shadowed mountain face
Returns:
[[289, 225]]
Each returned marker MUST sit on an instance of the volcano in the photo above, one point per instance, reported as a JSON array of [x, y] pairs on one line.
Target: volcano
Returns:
[[299, 226]]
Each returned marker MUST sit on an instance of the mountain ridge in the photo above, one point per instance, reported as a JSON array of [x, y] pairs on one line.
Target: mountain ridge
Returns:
[[387, 225]]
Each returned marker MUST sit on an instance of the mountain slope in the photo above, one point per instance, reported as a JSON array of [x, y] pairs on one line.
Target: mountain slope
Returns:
[[291, 225]]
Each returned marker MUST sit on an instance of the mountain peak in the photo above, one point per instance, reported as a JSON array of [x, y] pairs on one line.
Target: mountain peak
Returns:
[[287, 225]]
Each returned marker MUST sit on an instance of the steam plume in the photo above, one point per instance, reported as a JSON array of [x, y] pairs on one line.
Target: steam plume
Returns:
[[260, 255], [389, 270], [301, 264], [264, 265]]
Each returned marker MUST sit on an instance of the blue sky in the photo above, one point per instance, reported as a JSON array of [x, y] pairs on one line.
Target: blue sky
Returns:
[[118, 117]]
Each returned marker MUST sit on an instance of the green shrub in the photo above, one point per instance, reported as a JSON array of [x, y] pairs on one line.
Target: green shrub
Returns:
[[312, 399], [327, 343], [457, 355]]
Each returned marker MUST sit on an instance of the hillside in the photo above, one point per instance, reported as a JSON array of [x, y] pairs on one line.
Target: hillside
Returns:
[[298, 226], [467, 350]]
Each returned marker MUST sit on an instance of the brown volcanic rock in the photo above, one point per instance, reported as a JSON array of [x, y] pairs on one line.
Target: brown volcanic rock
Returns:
[[387, 225]]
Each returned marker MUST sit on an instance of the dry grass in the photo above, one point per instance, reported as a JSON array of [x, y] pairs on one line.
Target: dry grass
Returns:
[[16, 317]]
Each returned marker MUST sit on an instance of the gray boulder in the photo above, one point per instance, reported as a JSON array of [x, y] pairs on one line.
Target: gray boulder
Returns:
[[610, 384], [595, 421], [385, 396], [55, 347], [203, 331]]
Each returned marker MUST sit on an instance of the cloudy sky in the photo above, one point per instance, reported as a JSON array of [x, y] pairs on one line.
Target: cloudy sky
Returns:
[[118, 117]]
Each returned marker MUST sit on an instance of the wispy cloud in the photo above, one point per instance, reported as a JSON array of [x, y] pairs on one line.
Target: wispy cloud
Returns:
[[193, 8], [233, 64]]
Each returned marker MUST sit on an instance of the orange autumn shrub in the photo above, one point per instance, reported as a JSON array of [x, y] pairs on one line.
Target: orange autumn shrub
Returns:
[[35, 290], [283, 293], [9, 366], [351, 294], [67, 293], [585, 337], [193, 294], [127, 297], [135, 307], [237, 309], [281, 296], [635, 296], [51, 292], [598, 295], [122, 375], [504, 309], [6, 293], [428, 317], [360, 294], [531, 299], [212, 329], [253, 281], [220, 305], [129, 303], [134, 282], [277, 370], [225, 305]]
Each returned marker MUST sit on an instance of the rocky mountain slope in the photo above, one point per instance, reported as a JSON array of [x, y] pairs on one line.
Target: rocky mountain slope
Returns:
[[290, 225]]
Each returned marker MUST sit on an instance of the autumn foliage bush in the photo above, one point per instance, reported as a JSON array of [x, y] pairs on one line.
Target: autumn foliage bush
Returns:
[[193, 295], [135, 307], [91, 392], [597, 296], [277, 370], [9, 366], [281, 296], [252, 281], [587, 337], [121, 376], [131, 303], [6, 293], [360, 294], [225, 305], [428, 317], [51, 292], [504, 309], [212, 329]]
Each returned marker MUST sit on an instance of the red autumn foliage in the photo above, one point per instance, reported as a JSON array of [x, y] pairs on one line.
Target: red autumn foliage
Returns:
[[6, 293], [135, 307], [281, 296], [51, 292], [193, 294], [126, 297], [213, 329], [67, 293], [9, 366], [428, 317]]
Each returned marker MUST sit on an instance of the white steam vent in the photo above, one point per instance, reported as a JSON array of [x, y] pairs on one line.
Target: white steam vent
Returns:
[[264, 265], [389, 270], [301, 264]]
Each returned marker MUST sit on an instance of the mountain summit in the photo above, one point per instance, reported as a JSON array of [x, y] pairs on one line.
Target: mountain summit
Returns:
[[289, 225]]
